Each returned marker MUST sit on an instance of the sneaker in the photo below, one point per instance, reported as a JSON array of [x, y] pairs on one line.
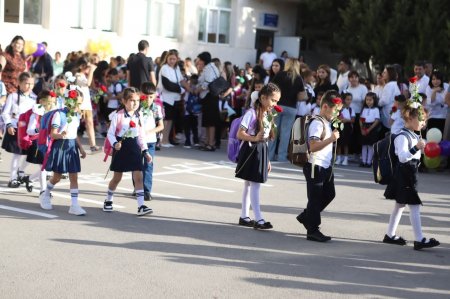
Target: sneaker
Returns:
[[142, 210], [13, 184], [246, 222], [166, 145], [187, 146], [394, 240], [147, 196], [45, 201], [345, 161], [423, 244], [107, 206], [317, 236], [262, 224], [77, 210], [28, 183], [338, 160]]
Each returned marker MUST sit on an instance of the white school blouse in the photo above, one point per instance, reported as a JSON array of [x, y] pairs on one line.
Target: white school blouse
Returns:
[[402, 149], [370, 114], [12, 109], [323, 157], [71, 128]]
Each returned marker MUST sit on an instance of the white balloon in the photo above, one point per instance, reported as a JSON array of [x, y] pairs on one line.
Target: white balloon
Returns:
[[434, 135]]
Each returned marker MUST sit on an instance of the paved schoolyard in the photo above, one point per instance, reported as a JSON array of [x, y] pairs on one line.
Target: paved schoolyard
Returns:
[[191, 246]]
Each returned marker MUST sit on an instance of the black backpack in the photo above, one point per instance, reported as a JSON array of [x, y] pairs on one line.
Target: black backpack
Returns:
[[385, 160]]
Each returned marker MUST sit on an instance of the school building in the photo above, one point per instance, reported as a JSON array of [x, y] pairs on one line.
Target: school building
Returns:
[[234, 30]]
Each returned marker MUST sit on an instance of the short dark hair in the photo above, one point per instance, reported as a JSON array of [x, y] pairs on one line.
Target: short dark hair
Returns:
[[419, 63], [353, 73], [328, 98], [143, 44], [148, 88], [400, 98], [113, 72]]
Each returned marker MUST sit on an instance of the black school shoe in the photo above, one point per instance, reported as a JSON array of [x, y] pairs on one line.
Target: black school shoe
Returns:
[[264, 225], [300, 218], [317, 236], [421, 245], [394, 240], [147, 196], [13, 184], [246, 222]]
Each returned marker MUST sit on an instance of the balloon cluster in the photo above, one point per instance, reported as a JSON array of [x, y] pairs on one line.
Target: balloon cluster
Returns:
[[435, 148], [102, 47], [35, 49]]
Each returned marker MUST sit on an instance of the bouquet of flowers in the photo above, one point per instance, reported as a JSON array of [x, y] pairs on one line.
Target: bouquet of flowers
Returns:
[[336, 121], [101, 91], [416, 100], [144, 104], [270, 119]]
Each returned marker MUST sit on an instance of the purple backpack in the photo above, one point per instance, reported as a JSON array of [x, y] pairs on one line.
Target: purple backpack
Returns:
[[234, 144]]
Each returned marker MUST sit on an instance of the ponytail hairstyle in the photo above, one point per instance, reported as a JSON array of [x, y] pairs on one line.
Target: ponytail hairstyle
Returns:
[[268, 90], [24, 76]]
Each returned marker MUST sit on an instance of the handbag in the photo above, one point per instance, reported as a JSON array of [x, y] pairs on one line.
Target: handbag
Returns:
[[218, 86]]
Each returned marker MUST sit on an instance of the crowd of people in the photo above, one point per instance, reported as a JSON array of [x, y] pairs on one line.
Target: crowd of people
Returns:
[[139, 106]]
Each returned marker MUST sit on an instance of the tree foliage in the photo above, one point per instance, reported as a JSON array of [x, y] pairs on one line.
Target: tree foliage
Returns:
[[398, 31]]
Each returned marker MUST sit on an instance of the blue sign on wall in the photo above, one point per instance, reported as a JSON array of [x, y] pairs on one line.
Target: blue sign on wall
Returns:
[[270, 20]]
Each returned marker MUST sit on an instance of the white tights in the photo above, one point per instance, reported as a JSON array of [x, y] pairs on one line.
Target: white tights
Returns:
[[414, 217], [15, 165], [250, 195], [42, 176], [367, 154]]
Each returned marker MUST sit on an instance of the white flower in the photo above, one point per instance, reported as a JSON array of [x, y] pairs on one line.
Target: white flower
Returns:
[[71, 79], [73, 87], [414, 105], [68, 74]]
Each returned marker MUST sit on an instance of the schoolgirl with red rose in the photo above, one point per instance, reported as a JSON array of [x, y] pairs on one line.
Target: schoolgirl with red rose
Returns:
[[127, 137], [369, 121], [257, 127], [65, 150]]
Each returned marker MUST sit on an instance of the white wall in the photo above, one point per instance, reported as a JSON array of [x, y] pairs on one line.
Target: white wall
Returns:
[[244, 20]]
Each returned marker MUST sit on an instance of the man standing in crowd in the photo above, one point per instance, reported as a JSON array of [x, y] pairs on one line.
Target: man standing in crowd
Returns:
[[140, 67], [267, 58], [422, 79], [343, 69]]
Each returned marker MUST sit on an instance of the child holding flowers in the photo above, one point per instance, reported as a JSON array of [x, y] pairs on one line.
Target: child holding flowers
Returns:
[[403, 186], [64, 156], [253, 165], [127, 136], [319, 171], [368, 122]]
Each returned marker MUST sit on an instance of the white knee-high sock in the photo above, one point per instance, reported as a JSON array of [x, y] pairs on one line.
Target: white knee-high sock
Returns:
[[49, 189], [43, 180], [364, 153], [245, 200], [369, 154], [254, 198], [414, 217], [140, 197], [24, 164], [74, 196], [35, 176], [110, 195], [14, 166], [395, 219]]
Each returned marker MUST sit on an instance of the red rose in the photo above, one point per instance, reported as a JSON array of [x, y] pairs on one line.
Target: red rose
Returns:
[[143, 97], [362, 119], [337, 101], [132, 124], [61, 84], [413, 79], [52, 94], [103, 88], [73, 94], [394, 109], [278, 109]]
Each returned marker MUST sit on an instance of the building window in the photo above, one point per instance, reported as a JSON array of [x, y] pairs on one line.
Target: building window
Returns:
[[92, 14], [23, 11], [214, 21], [158, 17]]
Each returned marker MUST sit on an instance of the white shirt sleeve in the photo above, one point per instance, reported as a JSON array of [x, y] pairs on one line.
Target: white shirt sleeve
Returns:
[[315, 129], [402, 150], [32, 125], [7, 109], [112, 128]]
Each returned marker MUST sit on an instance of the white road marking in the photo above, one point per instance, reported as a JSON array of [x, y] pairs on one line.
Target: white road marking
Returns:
[[28, 212], [194, 186]]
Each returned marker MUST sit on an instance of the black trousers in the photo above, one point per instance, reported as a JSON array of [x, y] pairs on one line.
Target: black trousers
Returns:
[[320, 192], [191, 126]]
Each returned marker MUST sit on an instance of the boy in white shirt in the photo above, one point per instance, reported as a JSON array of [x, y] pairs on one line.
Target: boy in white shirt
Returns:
[[319, 171]]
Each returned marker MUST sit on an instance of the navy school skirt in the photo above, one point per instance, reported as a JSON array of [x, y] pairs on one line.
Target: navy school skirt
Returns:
[[128, 158], [34, 155], [64, 157], [253, 162], [10, 144]]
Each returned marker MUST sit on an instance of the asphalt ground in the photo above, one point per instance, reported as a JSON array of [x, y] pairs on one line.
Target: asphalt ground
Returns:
[[192, 247]]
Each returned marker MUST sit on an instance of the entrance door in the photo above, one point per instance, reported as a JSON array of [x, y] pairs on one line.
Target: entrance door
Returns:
[[263, 39]]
